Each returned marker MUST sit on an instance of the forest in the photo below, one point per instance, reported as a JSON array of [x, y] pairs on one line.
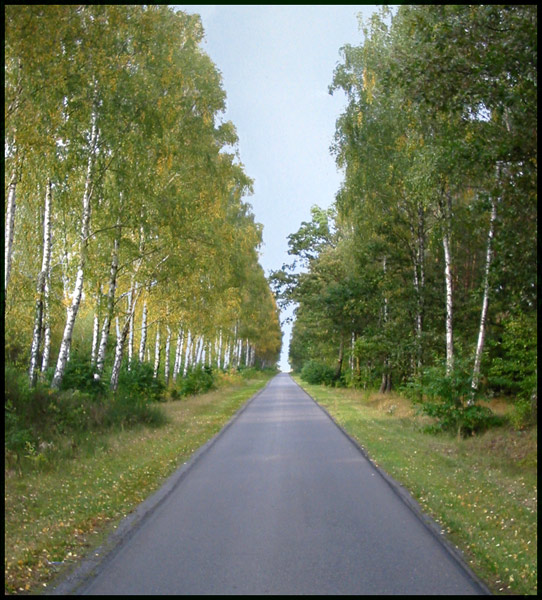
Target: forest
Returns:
[[131, 256], [421, 276]]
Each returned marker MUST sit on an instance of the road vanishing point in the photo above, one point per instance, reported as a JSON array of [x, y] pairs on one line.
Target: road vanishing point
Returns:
[[281, 501]]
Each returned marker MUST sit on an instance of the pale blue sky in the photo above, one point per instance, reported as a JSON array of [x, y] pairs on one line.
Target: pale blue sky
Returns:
[[277, 63]]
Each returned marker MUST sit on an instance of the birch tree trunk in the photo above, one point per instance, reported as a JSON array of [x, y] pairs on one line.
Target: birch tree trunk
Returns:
[[10, 228], [485, 303], [199, 349], [187, 355], [78, 289], [166, 357], [157, 351], [47, 328], [219, 350], [418, 271], [95, 333], [178, 351], [121, 337], [130, 338], [109, 309], [40, 292], [226, 356], [143, 340], [446, 242]]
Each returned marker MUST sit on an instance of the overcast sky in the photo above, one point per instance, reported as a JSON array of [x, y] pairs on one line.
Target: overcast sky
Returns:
[[277, 63]]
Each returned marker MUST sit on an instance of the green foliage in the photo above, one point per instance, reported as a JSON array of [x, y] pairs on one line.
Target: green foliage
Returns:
[[197, 381], [168, 189], [515, 368], [317, 373], [37, 418], [427, 154], [449, 399], [17, 437], [140, 381], [524, 413], [79, 375], [128, 410]]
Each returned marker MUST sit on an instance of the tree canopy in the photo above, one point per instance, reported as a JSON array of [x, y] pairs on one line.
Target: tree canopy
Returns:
[[122, 172], [433, 256]]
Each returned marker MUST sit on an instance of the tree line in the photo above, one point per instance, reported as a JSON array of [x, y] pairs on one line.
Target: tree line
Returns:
[[423, 272], [127, 237]]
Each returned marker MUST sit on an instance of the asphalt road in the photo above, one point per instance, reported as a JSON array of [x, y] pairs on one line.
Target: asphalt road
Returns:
[[282, 502]]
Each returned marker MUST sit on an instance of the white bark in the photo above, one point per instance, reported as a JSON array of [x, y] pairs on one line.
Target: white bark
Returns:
[[40, 292], [227, 355], [239, 351], [10, 227], [446, 242], [219, 350], [121, 337], [166, 357], [187, 355], [130, 338], [109, 309], [143, 340], [157, 351], [418, 260], [178, 352], [485, 303], [95, 332], [78, 289], [199, 351], [47, 328]]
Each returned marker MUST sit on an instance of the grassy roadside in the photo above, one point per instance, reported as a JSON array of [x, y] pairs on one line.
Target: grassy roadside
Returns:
[[54, 515], [482, 490]]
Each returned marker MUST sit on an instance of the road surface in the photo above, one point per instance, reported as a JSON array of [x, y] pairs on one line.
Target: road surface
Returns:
[[281, 502]]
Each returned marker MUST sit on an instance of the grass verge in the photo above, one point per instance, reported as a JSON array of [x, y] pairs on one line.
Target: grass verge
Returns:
[[481, 490], [59, 511]]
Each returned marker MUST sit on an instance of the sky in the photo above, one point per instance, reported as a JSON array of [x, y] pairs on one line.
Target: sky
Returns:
[[277, 63]]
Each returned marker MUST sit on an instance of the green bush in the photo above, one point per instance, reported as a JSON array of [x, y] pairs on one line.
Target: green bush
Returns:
[[524, 413], [126, 410], [79, 375], [447, 398], [35, 417], [514, 369], [17, 436], [249, 372], [140, 380], [197, 381], [317, 373]]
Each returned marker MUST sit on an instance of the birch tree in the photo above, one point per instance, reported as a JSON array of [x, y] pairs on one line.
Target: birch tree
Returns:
[[41, 287]]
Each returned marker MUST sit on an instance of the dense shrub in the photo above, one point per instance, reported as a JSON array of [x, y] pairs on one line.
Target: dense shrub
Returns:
[[140, 381], [127, 410], [35, 417], [79, 375], [447, 399], [317, 373], [197, 381], [514, 370]]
